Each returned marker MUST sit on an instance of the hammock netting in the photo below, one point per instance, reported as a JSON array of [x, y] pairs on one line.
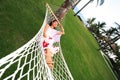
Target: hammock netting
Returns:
[[28, 62]]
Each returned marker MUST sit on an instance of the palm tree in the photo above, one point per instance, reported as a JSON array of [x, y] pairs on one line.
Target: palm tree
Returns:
[[118, 29], [100, 26], [117, 24], [116, 32], [62, 11], [76, 4], [111, 31], [100, 2], [66, 5], [90, 21], [95, 27], [83, 7], [111, 40], [90, 24]]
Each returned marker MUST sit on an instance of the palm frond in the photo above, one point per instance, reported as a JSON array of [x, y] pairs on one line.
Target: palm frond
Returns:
[[117, 25], [100, 2]]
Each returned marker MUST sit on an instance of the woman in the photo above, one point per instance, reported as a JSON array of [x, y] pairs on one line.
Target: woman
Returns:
[[50, 37]]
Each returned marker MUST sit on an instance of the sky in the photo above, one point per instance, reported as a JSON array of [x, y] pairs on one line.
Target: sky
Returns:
[[109, 12]]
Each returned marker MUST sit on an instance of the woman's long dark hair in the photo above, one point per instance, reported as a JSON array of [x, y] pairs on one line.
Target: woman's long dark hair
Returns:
[[52, 22]]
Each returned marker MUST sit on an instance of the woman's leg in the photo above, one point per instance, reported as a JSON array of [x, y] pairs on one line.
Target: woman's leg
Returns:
[[48, 58]]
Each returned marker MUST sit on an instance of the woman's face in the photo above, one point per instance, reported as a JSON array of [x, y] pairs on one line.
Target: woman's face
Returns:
[[54, 24]]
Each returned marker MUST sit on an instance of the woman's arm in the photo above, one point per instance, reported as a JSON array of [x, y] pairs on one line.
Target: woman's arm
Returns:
[[62, 30], [45, 29]]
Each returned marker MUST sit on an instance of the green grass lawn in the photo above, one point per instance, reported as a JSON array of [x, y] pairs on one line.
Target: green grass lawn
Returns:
[[20, 20], [81, 52]]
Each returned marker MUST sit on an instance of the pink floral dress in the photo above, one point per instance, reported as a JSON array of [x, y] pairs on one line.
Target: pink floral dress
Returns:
[[52, 37]]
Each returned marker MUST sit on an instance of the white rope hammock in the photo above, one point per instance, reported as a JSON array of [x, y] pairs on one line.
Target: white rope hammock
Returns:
[[28, 62]]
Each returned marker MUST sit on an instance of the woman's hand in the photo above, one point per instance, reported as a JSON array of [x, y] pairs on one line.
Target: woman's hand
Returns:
[[60, 33], [62, 30]]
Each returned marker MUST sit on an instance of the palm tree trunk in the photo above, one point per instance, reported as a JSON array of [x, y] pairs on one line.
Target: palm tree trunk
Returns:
[[62, 11], [83, 7], [116, 38], [67, 4], [76, 4]]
